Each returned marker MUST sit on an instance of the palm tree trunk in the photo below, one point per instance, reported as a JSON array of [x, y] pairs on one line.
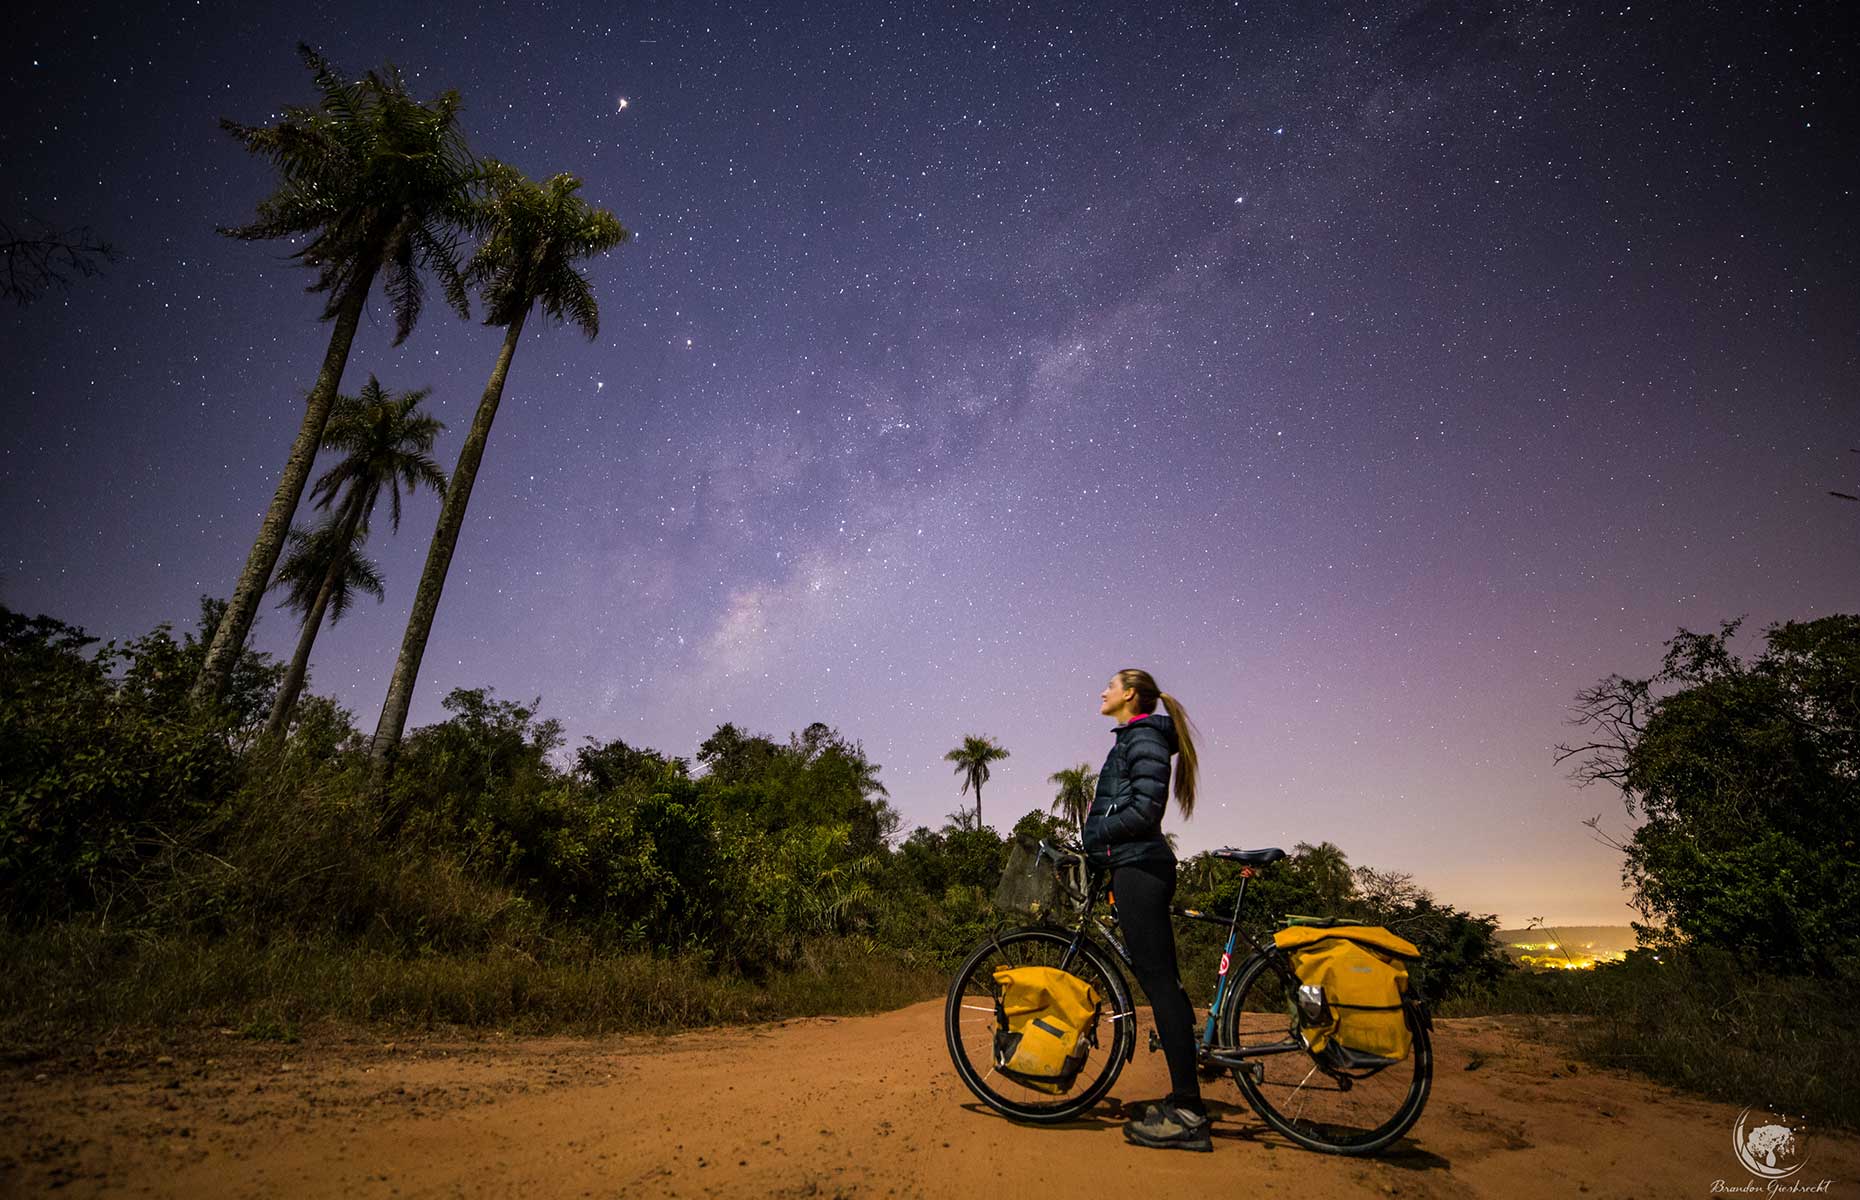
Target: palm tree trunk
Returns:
[[229, 638], [978, 804], [300, 661], [393, 721], [313, 623]]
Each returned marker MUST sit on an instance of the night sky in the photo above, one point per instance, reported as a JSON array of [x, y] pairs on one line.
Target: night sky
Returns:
[[1377, 377]]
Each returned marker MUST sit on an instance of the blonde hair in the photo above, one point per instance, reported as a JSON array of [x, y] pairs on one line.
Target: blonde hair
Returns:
[[1147, 696]]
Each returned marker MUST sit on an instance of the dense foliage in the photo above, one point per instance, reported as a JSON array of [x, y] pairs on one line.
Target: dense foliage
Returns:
[[1458, 949], [101, 774], [117, 807], [1745, 778]]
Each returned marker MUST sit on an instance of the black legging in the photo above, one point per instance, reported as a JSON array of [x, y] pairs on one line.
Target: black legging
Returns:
[[1143, 894]]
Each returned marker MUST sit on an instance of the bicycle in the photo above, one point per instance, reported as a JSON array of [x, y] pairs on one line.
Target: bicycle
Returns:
[[1251, 1032]]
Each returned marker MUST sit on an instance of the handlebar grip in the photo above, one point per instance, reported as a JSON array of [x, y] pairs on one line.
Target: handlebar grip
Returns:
[[1059, 851]]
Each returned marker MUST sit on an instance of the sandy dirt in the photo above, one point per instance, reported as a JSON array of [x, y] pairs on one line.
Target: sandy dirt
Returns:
[[865, 1106]]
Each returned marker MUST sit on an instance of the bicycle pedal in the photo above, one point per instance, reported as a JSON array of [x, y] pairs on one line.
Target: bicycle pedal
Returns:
[[1155, 1042]]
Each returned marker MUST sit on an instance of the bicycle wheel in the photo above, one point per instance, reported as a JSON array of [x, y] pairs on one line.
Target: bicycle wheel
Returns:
[[1333, 1111], [969, 1024]]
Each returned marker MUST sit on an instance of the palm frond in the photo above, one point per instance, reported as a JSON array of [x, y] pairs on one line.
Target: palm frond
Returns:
[[406, 293], [359, 575], [531, 236], [369, 176], [386, 443]]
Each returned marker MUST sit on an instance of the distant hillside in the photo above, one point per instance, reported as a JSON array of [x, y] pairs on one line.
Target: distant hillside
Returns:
[[1602, 937], [1565, 946]]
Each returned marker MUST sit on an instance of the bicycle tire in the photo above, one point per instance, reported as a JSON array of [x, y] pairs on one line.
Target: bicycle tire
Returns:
[[968, 1024], [1320, 1115]]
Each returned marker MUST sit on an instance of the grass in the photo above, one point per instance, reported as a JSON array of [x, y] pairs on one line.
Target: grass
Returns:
[[1702, 1023], [1698, 1022], [73, 982]]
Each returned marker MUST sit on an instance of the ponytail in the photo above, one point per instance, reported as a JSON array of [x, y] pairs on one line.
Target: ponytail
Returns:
[[1185, 770], [1147, 696]]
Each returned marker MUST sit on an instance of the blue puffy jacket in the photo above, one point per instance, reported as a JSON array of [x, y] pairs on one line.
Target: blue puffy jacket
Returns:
[[1124, 825]]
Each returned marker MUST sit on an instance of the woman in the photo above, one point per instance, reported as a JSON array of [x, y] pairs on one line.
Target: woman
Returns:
[[1123, 832]]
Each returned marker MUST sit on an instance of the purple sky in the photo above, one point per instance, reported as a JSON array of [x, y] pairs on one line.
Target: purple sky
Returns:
[[1376, 378]]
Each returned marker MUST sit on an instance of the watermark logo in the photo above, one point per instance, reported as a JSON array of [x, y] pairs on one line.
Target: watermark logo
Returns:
[[1773, 1147], [1769, 1144]]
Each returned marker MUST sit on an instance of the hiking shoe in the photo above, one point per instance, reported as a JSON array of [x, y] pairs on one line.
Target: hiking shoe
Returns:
[[1166, 1127]]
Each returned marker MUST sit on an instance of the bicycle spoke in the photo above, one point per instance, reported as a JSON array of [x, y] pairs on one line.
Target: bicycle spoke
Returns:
[[972, 1020], [1321, 1107]]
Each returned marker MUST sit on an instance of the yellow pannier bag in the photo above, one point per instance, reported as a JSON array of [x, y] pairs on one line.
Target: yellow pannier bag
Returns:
[[1352, 981], [1048, 1023]]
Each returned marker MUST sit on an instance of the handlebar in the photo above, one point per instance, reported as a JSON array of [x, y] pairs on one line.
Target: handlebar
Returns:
[[1069, 866]]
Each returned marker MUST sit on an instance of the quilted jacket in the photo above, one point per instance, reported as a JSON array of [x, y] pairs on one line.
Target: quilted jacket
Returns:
[[1124, 824]]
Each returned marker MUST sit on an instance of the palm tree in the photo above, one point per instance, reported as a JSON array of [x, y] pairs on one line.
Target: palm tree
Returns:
[[1076, 785], [1329, 872], [375, 180], [389, 445], [321, 571], [972, 759], [533, 236]]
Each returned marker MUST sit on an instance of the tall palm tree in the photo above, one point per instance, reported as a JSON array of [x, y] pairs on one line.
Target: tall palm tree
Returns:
[[1073, 800], [322, 570], [388, 444], [972, 759], [1329, 872], [533, 236], [376, 181]]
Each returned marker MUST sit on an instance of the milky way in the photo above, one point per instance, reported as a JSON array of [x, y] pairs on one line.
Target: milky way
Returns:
[[1376, 379]]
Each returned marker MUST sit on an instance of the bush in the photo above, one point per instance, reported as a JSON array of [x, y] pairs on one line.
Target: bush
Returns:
[[99, 779], [1746, 780], [1703, 1020], [1459, 951]]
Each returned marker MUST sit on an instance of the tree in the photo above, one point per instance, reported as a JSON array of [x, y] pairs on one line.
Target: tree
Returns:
[[1073, 800], [388, 444], [322, 570], [375, 180], [818, 778], [1328, 871], [731, 756], [159, 671], [972, 759], [609, 765], [1043, 826], [35, 261], [100, 773], [533, 236], [1746, 780]]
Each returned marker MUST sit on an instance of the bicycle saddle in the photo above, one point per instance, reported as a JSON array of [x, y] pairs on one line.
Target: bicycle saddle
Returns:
[[1252, 858]]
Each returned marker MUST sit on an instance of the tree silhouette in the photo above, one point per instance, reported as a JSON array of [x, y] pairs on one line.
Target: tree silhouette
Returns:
[[376, 181], [388, 444], [534, 234], [1328, 871], [1073, 800], [972, 759], [34, 261]]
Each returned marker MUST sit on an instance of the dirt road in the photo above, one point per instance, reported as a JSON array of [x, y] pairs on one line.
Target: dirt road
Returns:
[[865, 1106]]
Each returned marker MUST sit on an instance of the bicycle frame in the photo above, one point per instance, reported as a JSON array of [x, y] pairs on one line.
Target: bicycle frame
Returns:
[[1108, 932], [1222, 1045], [1234, 935]]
